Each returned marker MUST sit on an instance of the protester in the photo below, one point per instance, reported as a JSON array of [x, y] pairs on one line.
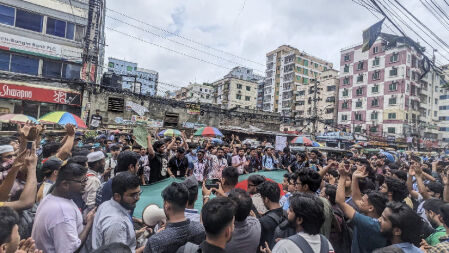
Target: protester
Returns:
[[177, 166], [253, 182], [239, 161], [255, 163], [432, 208], [443, 245], [158, 162], [111, 162], [96, 162], [269, 161], [200, 167], [192, 186], [50, 170], [220, 164]]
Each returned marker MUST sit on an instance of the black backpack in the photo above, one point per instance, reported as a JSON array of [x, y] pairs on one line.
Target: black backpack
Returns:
[[341, 233]]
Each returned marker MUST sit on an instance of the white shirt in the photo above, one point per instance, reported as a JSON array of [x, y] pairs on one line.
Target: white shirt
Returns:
[[57, 224], [288, 246]]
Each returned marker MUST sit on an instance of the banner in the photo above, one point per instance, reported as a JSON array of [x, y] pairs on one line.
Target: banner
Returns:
[[23, 92], [193, 108], [146, 121], [139, 109], [370, 35], [192, 125], [281, 142]]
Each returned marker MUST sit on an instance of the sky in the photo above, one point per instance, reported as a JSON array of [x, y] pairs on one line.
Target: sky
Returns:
[[201, 40]]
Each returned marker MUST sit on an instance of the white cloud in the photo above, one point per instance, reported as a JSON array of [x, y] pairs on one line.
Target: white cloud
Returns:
[[247, 28]]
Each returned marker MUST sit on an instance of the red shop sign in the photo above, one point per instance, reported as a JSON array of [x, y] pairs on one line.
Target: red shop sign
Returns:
[[39, 94]]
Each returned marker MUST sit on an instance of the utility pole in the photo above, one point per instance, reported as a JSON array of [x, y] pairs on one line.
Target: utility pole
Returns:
[[315, 108]]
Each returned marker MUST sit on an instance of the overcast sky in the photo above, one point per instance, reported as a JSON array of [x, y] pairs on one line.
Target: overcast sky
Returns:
[[227, 33]]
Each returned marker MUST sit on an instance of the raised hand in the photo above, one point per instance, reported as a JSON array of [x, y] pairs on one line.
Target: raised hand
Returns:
[[70, 129]]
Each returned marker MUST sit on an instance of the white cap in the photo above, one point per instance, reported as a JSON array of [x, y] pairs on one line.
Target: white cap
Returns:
[[152, 215], [95, 156], [6, 148]]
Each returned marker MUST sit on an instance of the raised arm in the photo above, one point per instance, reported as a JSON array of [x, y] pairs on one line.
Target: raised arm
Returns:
[[340, 195], [356, 193], [419, 180], [184, 141], [445, 178], [171, 143], [8, 182], [150, 146], [64, 152], [409, 183]]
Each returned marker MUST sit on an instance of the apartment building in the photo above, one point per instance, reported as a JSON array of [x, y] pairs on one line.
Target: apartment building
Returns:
[[381, 93], [134, 79], [443, 106], [196, 93], [290, 73]]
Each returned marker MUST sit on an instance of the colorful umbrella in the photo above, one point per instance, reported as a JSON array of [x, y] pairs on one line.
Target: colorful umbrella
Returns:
[[62, 118], [170, 132], [17, 118], [316, 144], [302, 140], [208, 132]]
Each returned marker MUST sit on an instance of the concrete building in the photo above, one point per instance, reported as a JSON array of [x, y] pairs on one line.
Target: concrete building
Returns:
[[134, 79], [196, 93], [380, 93], [244, 74], [231, 92], [289, 73], [443, 106], [42, 43]]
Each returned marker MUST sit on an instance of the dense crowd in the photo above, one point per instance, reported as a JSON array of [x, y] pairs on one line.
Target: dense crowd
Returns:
[[79, 194]]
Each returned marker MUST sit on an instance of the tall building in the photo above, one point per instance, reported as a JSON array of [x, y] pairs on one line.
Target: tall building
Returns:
[[134, 79], [196, 93], [41, 43], [289, 73], [443, 106], [244, 74], [381, 93]]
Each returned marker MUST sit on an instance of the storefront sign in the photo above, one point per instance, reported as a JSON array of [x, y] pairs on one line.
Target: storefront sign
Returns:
[[193, 109], [17, 43], [22, 92]]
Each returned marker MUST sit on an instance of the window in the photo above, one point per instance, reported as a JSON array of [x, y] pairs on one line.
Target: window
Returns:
[[393, 86], [360, 65], [329, 110], [375, 50], [79, 33], [358, 116], [298, 78], [392, 101], [373, 129], [238, 96], [358, 129], [239, 86], [247, 98], [394, 71], [306, 72], [129, 68], [347, 58], [376, 61], [298, 69], [331, 88], [51, 69], [376, 75], [4, 60], [302, 92], [299, 60], [394, 57], [346, 80], [346, 68], [24, 64], [6, 15], [305, 80], [375, 89], [330, 99], [60, 28], [358, 104], [391, 130], [344, 117], [392, 115], [306, 63], [71, 71], [375, 102], [344, 105], [300, 102], [116, 104], [360, 78], [345, 92], [111, 64], [28, 20], [374, 115], [316, 65], [359, 92], [248, 88]]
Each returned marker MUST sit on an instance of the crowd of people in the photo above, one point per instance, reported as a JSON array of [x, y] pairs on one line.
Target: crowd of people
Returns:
[[78, 194]]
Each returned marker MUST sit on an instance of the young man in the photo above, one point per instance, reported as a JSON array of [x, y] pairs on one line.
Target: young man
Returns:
[[58, 224], [218, 220], [50, 170], [270, 193], [177, 166], [112, 221], [298, 164], [239, 161], [306, 214], [253, 182], [443, 246], [201, 166], [192, 186], [255, 163], [394, 189], [96, 119], [178, 229], [246, 236], [220, 163], [269, 161], [111, 162], [95, 161], [432, 208], [401, 226], [367, 236], [158, 162]]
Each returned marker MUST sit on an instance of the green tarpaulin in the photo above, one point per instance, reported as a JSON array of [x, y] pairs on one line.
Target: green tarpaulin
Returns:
[[151, 194]]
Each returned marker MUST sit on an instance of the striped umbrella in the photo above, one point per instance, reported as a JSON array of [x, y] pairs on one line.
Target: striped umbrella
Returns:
[[208, 132], [17, 118], [170, 132], [62, 118], [302, 140]]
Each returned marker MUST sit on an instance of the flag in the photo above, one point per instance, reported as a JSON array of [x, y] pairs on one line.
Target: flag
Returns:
[[370, 35]]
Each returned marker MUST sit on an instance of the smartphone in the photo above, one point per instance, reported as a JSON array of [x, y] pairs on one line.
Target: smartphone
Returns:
[[212, 183], [29, 145]]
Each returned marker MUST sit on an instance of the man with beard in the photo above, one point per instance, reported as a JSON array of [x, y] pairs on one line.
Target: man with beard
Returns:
[[255, 163], [220, 163], [58, 224], [432, 208], [158, 162], [239, 161], [178, 230], [177, 166], [95, 161], [112, 223], [401, 226]]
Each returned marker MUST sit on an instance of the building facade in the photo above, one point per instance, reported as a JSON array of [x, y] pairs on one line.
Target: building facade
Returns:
[[381, 93], [42, 43], [134, 79], [289, 74], [231, 92], [443, 106], [196, 93]]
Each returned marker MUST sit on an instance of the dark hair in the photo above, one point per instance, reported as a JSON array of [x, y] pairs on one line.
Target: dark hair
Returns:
[[256, 179], [404, 218], [126, 147], [136, 146], [125, 159], [331, 192], [397, 188], [217, 214], [114, 148], [50, 148], [181, 150], [157, 145], [270, 190], [115, 247], [80, 152], [310, 177], [333, 172], [231, 175], [8, 219], [366, 185], [81, 160], [123, 182], [400, 174], [378, 200], [286, 150], [436, 187], [193, 194], [49, 166], [444, 211], [177, 195], [243, 203], [433, 205], [310, 209], [239, 149], [70, 171]]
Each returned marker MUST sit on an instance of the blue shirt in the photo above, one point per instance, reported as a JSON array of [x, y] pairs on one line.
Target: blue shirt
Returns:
[[408, 247], [367, 236], [268, 162]]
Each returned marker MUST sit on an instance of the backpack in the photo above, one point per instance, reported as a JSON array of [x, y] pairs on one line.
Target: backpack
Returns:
[[305, 246], [341, 233], [192, 248], [278, 220]]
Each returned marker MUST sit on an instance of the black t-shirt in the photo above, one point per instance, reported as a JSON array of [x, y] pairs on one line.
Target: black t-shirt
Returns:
[[155, 167], [268, 226], [178, 167], [96, 120]]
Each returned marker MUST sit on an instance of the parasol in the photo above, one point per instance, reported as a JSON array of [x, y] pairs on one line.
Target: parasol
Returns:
[[62, 118], [17, 118], [208, 132]]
